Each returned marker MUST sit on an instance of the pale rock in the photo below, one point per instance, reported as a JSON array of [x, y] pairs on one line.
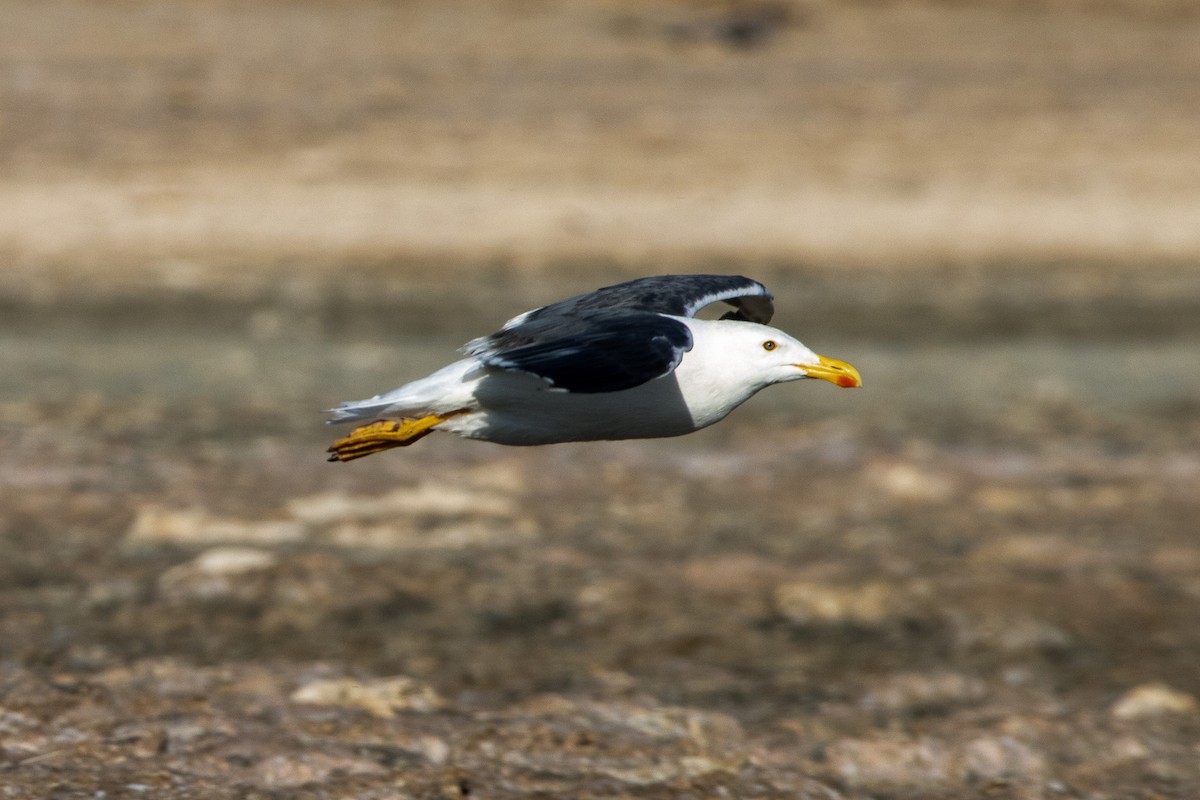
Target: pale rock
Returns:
[[890, 763], [232, 560], [811, 603], [19, 735], [216, 573], [669, 769], [155, 525], [917, 692], [1011, 635], [1153, 700], [435, 750], [71, 736], [708, 729], [1127, 748], [999, 758], [14, 721], [424, 499], [1034, 636], [382, 698], [314, 768], [908, 482], [613, 681], [404, 535]]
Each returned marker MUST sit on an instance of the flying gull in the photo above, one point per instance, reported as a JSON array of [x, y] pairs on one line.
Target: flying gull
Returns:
[[628, 361]]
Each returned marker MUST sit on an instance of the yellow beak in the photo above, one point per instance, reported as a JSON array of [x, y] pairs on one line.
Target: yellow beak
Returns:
[[834, 371]]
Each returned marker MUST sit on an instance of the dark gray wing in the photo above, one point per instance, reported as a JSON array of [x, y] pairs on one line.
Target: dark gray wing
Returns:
[[589, 351], [678, 295]]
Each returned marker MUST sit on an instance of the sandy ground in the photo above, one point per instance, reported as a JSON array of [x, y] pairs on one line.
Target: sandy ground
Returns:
[[976, 577]]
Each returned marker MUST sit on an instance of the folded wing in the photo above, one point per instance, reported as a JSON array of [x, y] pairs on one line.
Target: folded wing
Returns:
[[606, 350]]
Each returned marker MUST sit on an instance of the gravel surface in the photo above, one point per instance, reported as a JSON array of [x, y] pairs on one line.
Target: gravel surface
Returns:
[[978, 576]]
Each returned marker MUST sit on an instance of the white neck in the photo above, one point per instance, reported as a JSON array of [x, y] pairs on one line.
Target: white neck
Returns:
[[713, 382]]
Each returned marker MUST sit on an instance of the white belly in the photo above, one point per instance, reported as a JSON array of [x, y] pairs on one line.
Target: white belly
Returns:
[[518, 409]]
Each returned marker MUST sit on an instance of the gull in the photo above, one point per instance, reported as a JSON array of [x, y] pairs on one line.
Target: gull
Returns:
[[629, 361]]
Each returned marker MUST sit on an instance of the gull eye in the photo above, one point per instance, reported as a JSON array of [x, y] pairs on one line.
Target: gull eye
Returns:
[[769, 345]]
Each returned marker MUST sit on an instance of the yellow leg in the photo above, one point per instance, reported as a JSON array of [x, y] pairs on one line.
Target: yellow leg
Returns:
[[384, 434]]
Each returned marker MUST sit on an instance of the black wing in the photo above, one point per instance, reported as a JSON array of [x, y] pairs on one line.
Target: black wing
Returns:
[[678, 295], [603, 350]]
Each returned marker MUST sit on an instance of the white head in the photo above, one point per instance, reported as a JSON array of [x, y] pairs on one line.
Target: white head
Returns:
[[749, 352]]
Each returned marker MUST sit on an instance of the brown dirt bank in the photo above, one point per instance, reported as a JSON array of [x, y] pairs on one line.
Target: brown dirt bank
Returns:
[[185, 136]]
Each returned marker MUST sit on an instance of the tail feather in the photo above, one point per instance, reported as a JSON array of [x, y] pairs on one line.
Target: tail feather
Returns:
[[358, 410], [413, 400]]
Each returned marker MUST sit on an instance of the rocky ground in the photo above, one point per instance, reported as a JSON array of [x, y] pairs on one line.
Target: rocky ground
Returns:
[[978, 576]]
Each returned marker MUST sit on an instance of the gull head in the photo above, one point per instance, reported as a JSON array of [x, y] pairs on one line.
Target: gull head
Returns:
[[772, 356]]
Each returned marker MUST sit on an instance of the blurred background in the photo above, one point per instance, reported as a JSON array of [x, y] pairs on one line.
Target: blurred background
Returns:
[[218, 218]]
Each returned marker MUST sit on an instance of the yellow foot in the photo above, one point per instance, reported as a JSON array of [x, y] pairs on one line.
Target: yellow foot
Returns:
[[384, 434]]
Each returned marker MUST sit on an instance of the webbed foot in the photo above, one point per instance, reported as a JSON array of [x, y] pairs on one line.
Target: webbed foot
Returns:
[[384, 434]]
